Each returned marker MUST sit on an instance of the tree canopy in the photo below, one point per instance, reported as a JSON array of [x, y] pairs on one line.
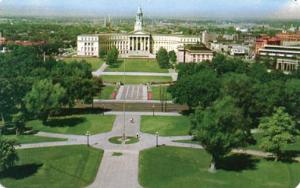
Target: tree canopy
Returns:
[[278, 131], [112, 56], [24, 67], [199, 89], [8, 153], [220, 128], [44, 98], [163, 58]]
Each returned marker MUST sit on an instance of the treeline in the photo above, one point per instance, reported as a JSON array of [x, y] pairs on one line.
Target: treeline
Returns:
[[33, 88], [229, 97], [62, 35]]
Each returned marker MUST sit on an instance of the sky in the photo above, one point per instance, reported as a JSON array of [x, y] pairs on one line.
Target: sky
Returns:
[[167, 8]]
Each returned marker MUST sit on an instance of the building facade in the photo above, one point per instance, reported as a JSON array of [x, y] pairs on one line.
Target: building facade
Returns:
[[287, 57], [287, 65], [135, 44], [88, 45], [194, 54]]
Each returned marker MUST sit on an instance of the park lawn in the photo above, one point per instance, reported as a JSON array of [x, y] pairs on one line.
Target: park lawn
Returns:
[[54, 167], [137, 79], [172, 167], [166, 125], [156, 93], [76, 124], [137, 65], [29, 139], [96, 63], [106, 93]]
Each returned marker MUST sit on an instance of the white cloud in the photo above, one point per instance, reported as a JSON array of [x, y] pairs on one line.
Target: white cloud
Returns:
[[290, 10]]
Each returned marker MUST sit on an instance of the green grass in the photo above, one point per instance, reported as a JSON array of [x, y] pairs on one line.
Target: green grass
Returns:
[[137, 79], [166, 125], [170, 167], [290, 147], [187, 141], [117, 154], [117, 140], [96, 63], [106, 93], [137, 65], [77, 124], [54, 167], [156, 93], [29, 139]]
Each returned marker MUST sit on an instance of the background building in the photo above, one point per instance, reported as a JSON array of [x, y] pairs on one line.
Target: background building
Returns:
[[194, 54], [88, 45], [135, 44]]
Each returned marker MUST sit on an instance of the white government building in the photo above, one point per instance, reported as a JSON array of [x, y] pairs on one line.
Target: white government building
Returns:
[[135, 44]]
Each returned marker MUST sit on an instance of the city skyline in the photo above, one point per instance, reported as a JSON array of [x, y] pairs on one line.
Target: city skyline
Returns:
[[188, 8]]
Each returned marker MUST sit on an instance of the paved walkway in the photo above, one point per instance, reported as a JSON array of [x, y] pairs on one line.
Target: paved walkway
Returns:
[[132, 101], [174, 74], [134, 74], [122, 171], [132, 92], [101, 70], [144, 113]]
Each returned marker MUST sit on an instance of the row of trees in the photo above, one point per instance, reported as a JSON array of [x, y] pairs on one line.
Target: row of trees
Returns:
[[31, 88], [229, 97]]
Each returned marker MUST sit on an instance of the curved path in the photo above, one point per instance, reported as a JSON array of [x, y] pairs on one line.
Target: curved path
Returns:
[[122, 171]]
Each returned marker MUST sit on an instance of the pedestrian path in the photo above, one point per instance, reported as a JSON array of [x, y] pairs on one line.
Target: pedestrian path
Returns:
[[101, 70], [118, 171], [133, 74], [122, 170]]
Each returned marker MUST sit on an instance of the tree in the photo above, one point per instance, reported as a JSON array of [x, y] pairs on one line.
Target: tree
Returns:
[[224, 64], [173, 57], [199, 89], [8, 153], [102, 52], [278, 131], [188, 69], [7, 102], [112, 56], [241, 88], [44, 98], [292, 97], [162, 58], [220, 128], [267, 96]]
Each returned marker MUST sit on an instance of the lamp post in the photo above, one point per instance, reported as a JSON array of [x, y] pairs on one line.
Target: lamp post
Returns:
[[88, 134], [124, 107], [157, 134], [153, 108]]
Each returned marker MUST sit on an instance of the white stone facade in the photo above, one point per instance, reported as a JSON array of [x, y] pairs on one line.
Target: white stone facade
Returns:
[[137, 43], [194, 56], [88, 45]]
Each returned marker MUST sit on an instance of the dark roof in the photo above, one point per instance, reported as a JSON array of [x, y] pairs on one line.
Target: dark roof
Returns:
[[197, 47]]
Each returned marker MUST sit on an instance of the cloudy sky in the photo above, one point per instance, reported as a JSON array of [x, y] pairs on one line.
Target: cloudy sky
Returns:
[[177, 8]]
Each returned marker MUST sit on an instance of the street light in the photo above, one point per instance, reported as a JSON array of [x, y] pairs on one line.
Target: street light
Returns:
[[124, 107], [157, 139], [88, 134], [153, 108]]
